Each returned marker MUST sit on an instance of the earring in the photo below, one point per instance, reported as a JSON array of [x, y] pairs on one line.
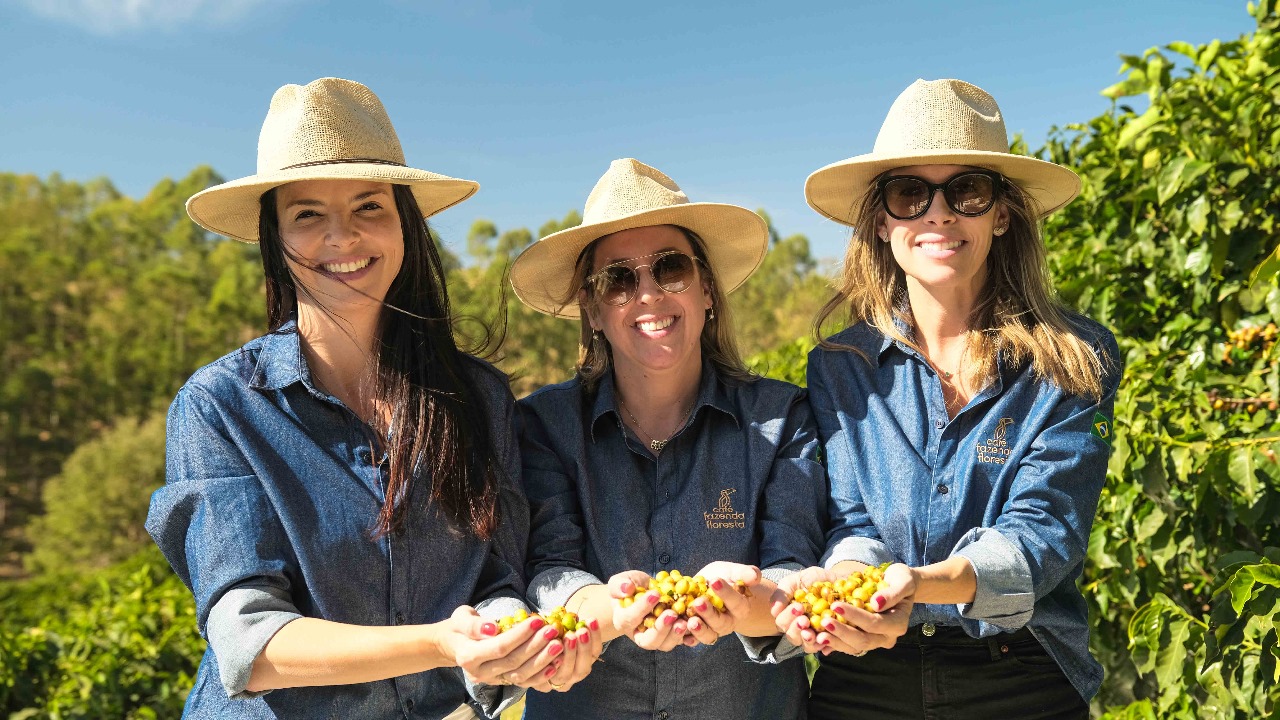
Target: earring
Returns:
[[711, 313], [595, 336], [1000, 230], [884, 238]]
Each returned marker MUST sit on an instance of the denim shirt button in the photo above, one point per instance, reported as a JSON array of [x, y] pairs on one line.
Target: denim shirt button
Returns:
[[928, 630], [939, 423], [664, 715], [399, 618], [408, 704], [664, 558], [943, 489]]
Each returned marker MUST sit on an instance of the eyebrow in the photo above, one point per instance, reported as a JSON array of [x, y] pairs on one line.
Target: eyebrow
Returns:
[[614, 260], [307, 202]]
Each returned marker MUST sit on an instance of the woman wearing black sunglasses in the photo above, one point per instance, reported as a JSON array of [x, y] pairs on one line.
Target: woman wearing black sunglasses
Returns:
[[965, 416], [664, 453]]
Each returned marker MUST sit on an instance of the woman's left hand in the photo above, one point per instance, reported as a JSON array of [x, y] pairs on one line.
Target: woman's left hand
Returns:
[[871, 630], [711, 624], [582, 647]]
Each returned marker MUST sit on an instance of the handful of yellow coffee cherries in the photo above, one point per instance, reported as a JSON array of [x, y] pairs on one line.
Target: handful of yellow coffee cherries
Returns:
[[560, 619], [856, 590], [676, 592]]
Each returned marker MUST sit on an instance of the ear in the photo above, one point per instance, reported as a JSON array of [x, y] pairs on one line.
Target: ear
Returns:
[[707, 302], [1002, 219], [882, 230], [593, 314]]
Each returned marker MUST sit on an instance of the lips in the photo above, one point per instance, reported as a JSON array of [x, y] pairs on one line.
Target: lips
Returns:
[[348, 266], [656, 324]]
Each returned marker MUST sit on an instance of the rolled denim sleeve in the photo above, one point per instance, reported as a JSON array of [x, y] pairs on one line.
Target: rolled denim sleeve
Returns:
[[217, 528], [851, 534], [1042, 534], [557, 542]]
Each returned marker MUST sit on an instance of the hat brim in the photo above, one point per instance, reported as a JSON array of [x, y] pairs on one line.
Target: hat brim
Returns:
[[231, 209], [837, 190], [736, 240]]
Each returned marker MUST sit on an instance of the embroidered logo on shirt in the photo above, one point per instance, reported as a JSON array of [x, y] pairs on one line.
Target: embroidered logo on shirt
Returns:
[[996, 449], [724, 516], [1101, 428]]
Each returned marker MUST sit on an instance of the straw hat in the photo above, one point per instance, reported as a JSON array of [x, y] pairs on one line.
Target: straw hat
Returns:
[[328, 129], [939, 122], [631, 195]]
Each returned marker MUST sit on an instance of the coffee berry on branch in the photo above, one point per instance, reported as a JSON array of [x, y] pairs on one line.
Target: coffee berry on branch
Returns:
[[856, 589], [560, 619], [677, 592]]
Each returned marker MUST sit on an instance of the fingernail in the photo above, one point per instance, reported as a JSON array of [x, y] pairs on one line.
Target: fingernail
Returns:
[[571, 643], [550, 633], [694, 624], [669, 620], [557, 649], [796, 611], [830, 626], [557, 662], [717, 584], [627, 587], [594, 625], [879, 602], [489, 629], [537, 623], [652, 598], [701, 606], [824, 641], [839, 610], [586, 637], [550, 671]]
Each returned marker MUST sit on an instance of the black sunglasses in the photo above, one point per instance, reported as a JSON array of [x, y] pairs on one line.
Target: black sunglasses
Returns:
[[970, 193], [617, 283]]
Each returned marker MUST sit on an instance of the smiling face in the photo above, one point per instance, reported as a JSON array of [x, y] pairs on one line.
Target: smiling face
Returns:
[[655, 330], [342, 238], [942, 249]]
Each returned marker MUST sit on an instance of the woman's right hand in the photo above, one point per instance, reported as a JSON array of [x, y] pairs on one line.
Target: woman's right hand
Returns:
[[789, 616], [527, 655], [669, 629]]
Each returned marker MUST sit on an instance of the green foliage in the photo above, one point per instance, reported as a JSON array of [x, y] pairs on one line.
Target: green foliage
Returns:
[[120, 643], [1177, 214], [95, 508]]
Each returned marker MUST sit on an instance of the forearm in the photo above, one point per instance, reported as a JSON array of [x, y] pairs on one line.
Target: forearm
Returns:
[[951, 581], [759, 620], [844, 568], [594, 602], [310, 651]]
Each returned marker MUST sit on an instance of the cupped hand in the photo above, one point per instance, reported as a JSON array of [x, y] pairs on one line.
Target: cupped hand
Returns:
[[789, 616], [525, 655], [668, 630], [582, 647], [712, 623]]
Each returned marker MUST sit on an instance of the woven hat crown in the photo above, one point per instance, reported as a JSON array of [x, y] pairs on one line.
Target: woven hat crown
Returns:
[[328, 120], [942, 115], [627, 187]]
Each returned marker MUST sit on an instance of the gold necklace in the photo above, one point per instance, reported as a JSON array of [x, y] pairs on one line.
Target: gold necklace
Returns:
[[654, 444]]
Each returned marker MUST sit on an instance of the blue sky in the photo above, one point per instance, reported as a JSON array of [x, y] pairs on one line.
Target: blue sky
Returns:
[[737, 101]]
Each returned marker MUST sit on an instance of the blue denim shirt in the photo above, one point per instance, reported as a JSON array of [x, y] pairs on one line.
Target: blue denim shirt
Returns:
[[271, 490], [1011, 484], [741, 482]]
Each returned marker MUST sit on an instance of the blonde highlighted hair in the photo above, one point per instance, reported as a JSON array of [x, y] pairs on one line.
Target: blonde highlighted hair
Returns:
[[718, 342], [1016, 313]]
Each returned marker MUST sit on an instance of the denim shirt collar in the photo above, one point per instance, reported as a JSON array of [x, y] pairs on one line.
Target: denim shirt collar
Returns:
[[280, 361], [899, 321], [711, 393]]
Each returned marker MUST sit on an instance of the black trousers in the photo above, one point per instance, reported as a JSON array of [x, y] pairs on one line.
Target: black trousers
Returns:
[[947, 676]]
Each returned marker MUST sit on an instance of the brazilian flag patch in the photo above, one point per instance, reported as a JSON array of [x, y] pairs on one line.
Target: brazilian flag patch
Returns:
[[1101, 428]]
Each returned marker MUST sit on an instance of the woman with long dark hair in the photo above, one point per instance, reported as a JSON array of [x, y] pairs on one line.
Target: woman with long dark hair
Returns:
[[342, 494], [966, 418]]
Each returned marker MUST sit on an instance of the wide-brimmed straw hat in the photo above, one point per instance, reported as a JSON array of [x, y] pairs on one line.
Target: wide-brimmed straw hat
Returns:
[[632, 195], [330, 129], [939, 122]]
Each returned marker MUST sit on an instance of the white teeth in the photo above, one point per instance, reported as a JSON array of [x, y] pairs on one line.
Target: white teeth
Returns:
[[943, 245], [347, 267], [655, 325]]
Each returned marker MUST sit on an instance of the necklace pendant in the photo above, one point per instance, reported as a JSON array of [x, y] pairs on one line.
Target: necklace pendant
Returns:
[[657, 445], [946, 374]]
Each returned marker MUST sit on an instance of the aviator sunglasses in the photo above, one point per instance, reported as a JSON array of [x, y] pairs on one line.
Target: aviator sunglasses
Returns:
[[970, 193], [617, 283]]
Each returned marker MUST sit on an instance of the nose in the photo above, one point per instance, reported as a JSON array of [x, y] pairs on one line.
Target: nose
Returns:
[[939, 212], [340, 231], [647, 289]]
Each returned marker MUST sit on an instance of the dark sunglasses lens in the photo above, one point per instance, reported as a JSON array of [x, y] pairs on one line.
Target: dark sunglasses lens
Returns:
[[616, 285], [906, 197], [970, 194], [673, 272]]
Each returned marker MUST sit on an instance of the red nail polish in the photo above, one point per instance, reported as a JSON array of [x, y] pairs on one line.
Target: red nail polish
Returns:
[[537, 623], [489, 629], [594, 625], [571, 643], [796, 611], [652, 598], [829, 626], [586, 637], [717, 584], [550, 633], [824, 641], [550, 671], [556, 650], [669, 620], [839, 610], [879, 602]]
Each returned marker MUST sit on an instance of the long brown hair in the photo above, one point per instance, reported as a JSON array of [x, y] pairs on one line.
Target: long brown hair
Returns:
[[717, 341], [438, 428], [1016, 312]]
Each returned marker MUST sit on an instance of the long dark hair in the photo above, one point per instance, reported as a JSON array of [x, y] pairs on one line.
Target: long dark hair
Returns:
[[438, 428]]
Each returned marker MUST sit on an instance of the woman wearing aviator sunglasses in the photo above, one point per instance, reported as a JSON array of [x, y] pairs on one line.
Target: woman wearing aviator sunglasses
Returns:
[[965, 416], [665, 453]]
